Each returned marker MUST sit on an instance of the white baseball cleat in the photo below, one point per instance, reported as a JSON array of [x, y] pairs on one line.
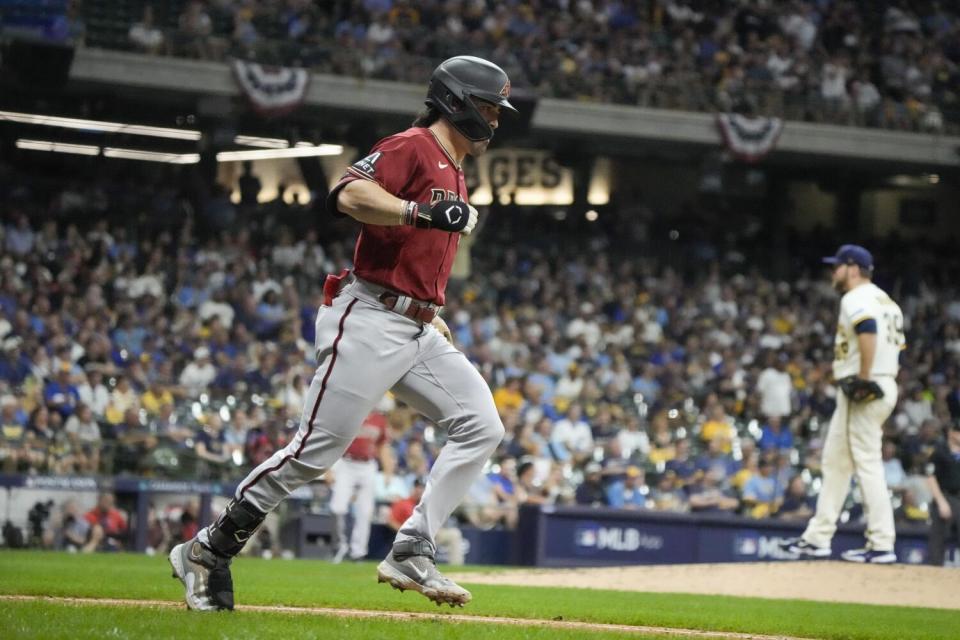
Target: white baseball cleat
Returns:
[[419, 573], [205, 576], [869, 556], [800, 548]]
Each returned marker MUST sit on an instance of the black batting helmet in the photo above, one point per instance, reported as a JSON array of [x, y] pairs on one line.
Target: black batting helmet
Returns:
[[454, 85]]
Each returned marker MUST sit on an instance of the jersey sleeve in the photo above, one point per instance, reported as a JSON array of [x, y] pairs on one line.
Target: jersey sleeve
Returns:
[[391, 163], [856, 309]]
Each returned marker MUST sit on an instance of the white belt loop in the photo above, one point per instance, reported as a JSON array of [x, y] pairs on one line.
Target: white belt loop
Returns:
[[403, 303]]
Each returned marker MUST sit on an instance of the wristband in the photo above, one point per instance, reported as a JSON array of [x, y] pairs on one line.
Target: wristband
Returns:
[[416, 215], [423, 216], [408, 212]]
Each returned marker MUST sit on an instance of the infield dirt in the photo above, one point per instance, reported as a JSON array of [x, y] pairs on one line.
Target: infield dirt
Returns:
[[823, 581]]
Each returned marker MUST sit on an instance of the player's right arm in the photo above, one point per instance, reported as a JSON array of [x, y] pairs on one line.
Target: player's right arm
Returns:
[[367, 202], [867, 341], [366, 193], [862, 318]]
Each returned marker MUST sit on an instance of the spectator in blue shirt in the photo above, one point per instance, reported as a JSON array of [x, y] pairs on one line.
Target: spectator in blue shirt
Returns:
[[647, 385], [60, 394], [20, 237], [762, 494], [682, 464], [129, 337], [14, 364], [715, 460], [776, 436], [708, 495], [631, 492], [505, 489], [505, 477]]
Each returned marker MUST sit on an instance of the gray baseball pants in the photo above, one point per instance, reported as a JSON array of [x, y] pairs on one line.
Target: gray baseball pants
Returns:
[[364, 350]]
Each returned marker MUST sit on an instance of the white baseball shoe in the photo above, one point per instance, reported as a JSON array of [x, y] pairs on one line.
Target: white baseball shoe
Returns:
[[410, 565], [205, 576], [869, 556], [800, 548]]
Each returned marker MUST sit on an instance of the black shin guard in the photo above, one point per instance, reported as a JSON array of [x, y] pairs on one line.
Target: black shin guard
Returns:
[[219, 581], [238, 522], [412, 547]]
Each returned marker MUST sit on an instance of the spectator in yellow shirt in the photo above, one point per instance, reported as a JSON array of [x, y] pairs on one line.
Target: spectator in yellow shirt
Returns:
[[508, 398], [751, 463], [662, 448], [123, 398], [718, 426], [155, 397]]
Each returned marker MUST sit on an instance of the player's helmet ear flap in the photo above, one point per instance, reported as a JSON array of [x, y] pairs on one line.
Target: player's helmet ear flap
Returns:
[[457, 83]]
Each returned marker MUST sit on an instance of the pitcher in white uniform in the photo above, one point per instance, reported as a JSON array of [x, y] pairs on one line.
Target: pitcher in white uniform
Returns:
[[866, 355]]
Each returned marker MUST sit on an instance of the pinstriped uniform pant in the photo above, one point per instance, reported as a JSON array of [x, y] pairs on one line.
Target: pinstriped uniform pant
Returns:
[[852, 449], [364, 350]]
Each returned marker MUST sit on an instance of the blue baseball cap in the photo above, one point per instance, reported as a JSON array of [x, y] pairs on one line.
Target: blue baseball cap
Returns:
[[851, 254]]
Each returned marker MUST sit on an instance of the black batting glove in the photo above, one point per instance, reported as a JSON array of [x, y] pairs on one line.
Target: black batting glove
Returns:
[[446, 215]]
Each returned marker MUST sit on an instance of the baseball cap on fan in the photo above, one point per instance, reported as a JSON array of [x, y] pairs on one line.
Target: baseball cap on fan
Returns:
[[851, 254]]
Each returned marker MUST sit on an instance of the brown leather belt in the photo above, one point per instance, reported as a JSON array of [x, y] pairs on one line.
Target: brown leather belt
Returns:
[[414, 311]]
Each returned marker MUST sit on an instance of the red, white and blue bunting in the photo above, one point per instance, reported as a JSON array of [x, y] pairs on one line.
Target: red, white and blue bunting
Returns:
[[272, 91], [749, 139]]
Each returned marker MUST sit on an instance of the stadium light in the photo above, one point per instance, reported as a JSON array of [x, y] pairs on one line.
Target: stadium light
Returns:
[[266, 143], [58, 147], [151, 156], [272, 154], [101, 126]]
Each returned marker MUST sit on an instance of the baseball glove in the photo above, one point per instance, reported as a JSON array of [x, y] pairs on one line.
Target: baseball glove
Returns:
[[859, 390]]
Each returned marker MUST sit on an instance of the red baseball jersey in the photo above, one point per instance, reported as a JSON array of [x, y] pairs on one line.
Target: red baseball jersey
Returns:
[[373, 433], [412, 166]]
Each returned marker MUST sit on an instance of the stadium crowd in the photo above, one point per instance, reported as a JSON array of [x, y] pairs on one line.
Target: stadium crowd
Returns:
[[879, 64], [154, 344]]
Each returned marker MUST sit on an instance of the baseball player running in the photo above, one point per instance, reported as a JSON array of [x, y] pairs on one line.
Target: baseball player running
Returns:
[[378, 330], [866, 360]]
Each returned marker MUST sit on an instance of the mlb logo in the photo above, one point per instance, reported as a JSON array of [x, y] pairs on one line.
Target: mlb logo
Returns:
[[586, 537], [745, 546], [913, 555]]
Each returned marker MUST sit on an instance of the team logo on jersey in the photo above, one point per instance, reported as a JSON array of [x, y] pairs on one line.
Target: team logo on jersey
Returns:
[[436, 195]]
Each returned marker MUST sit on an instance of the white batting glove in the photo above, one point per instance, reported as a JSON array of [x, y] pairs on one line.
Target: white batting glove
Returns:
[[471, 222]]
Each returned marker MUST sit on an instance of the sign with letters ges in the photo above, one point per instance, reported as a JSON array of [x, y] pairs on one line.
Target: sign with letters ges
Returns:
[[524, 176]]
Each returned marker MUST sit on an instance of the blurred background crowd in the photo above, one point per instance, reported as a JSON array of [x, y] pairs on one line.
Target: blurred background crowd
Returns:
[[878, 64], [639, 361]]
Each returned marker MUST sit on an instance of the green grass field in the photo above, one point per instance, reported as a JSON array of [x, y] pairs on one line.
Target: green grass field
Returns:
[[304, 583]]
